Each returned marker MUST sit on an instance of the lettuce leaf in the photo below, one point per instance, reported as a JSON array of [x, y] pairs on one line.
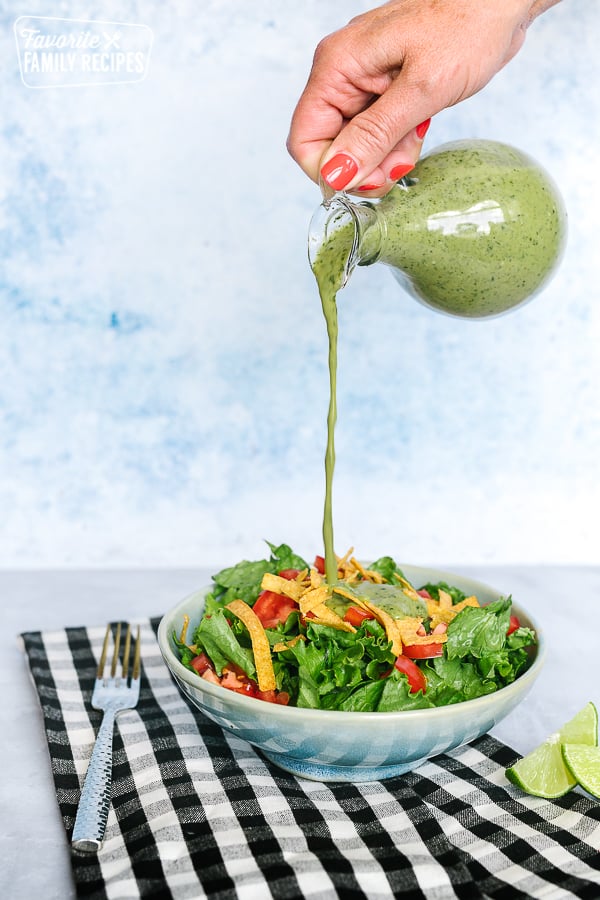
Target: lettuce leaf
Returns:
[[479, 630], [243, 581], [218, 641], [490, 659], [387, 568], [283, 557], [454, 680], [186, 654], [333, 664], [396, 695], [365, 698]]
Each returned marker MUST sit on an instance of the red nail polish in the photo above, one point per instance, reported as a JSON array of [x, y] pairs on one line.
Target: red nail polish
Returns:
[[422, 129], [400, 171], [339, 171], [369, 187]]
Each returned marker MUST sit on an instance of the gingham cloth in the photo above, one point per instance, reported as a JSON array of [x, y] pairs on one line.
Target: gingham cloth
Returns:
[[199, 813]]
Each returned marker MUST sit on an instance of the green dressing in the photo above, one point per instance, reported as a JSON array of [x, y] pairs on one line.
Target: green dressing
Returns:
[[391, 599], [476, 230], [329, 268]]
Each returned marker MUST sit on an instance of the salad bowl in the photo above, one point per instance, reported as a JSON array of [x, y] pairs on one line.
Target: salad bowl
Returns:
[[333, 745]]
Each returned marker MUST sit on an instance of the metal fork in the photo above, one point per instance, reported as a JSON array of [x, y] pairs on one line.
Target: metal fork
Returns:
[[112, 695]]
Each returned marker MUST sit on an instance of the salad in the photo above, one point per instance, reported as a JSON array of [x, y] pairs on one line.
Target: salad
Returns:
[[274, 629]]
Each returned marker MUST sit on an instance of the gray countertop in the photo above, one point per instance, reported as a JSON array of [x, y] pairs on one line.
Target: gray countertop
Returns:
[[34, 854]]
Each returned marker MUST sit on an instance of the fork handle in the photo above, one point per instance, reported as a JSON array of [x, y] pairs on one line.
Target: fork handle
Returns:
[[94, 803]]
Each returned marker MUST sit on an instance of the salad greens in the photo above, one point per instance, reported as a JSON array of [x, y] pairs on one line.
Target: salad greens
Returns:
[[474, 650], [243, 581]]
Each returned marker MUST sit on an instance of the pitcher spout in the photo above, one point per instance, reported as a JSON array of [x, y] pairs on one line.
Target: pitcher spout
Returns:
[[347, 230]]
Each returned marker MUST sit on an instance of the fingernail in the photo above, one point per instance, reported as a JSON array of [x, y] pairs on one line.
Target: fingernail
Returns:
[[339, 171], [400, 171], [422, 129], [369, 187]]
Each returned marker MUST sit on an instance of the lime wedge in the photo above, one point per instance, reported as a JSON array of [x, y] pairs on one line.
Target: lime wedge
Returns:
[[582, 728], [543, 772], [583, 763]]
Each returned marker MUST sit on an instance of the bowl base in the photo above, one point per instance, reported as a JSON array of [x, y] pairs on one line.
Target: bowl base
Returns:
[[353, 774]]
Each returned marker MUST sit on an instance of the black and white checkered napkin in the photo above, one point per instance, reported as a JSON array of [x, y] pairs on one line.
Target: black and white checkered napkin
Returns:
[[199, 813]]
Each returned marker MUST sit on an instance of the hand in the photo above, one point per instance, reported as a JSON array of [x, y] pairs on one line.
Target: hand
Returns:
[[376, 83]]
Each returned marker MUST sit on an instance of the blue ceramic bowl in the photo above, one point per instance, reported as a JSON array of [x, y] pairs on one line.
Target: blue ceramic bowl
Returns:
[[349, 746]]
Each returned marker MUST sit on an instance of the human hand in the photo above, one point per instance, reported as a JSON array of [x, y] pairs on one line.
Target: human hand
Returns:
[[375, 84]]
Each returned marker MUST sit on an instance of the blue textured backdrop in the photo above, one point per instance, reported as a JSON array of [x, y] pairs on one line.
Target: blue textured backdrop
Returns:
[[162, 351]]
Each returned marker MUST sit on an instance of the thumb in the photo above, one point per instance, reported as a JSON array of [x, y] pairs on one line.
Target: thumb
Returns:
[[386, 135]]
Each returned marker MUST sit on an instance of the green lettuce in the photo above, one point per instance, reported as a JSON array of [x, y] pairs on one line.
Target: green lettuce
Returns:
[[387, 568], [243, 581], [479, 630], [216, 637], [331, 665], [478, 642]]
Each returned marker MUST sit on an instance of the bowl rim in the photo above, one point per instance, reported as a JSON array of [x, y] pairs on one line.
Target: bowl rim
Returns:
[[277, 711]]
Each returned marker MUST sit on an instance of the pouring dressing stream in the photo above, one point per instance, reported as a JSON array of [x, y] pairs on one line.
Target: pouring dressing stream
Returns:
[[476, 230]]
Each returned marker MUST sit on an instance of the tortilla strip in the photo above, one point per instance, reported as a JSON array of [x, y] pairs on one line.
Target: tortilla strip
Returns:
[[184, 628], [265, 674], [279, 585], [373, 577], [408, 628], [316, 579], [286, 645], [407, 588], [445, 600], [325, 616], [347, 594], [442, 616], [390, 625], [342, 561], [312, 598], [360, 568], [468, 601], [444, 613]]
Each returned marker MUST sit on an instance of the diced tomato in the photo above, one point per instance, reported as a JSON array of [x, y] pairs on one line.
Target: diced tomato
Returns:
[[273, 609], [201, 663], [290, 574], [233, 683], [513, 624], [356, 616], [319, 564], [281, 697], [267, 696], [416, 678], [423, 651], [424, 593], [235, 679]]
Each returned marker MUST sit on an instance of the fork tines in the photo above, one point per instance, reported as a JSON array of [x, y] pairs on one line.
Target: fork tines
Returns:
[[135, 672]]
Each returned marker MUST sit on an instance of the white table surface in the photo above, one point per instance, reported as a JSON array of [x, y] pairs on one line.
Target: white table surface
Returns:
[[34, 854]]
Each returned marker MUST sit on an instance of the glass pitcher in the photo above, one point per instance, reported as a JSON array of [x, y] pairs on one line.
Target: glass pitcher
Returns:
[[476, 229]]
